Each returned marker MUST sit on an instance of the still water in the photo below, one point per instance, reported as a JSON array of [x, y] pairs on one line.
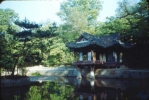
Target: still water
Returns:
[[68, 88]]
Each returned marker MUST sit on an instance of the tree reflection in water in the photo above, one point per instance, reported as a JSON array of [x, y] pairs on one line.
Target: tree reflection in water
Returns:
[[43, 91], [81, 89], [50, 91]]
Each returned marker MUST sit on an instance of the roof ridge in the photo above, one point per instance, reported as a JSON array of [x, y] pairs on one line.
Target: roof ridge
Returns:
[[88, 36]]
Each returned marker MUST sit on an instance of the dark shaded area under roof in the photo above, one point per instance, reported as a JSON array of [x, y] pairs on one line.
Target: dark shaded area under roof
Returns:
[[102, 41]]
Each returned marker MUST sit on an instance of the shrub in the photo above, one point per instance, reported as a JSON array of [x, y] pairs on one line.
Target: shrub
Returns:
[[36, 74]]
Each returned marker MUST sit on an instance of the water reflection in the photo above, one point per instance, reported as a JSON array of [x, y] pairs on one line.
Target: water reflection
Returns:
[[112, 89], [79, 89], [42, 91], [13, 93]]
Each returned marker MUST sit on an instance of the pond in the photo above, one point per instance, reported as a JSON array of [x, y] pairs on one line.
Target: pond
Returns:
[[70, 88]]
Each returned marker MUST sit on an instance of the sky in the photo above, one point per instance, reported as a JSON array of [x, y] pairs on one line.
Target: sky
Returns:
[[45, 10]]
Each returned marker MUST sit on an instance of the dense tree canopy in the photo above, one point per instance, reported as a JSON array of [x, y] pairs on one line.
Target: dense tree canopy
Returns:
[[7, 30], [131, 21], [8, 17], [79, 16], [31, 44]]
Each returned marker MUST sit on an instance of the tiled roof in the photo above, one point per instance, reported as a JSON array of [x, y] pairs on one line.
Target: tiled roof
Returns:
[[78, 45], [103, 41]]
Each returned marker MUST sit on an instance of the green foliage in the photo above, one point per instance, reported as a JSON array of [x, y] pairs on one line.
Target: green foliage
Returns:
[[33, 46], [36, 74], [6, 39], [1, 71], [23, 39], [14, 45], [8, 17], [6, 51], [131, 21], [50, 91], [34, 94], [51, 47], [80, 15], [26, 24]]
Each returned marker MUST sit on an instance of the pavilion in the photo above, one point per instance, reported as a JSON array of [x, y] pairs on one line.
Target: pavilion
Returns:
[[98, 52]]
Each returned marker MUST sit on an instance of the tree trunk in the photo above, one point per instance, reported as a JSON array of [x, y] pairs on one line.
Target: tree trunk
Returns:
[[14, 66], [16, 61]]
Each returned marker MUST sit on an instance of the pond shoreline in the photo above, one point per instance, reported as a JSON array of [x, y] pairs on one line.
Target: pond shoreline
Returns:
[[70, 71]]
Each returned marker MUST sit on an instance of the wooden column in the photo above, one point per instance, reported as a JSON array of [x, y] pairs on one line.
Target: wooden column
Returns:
[[121, 56], [89, 56], [100, 57], [80, 56], [104, 57], [93, 55], [115, 56]]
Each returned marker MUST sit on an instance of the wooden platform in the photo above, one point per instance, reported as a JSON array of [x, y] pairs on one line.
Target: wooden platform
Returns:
[[96, 63]]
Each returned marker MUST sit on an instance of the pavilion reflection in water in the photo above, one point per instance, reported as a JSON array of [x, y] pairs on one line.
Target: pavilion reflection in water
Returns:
[[109, 89]]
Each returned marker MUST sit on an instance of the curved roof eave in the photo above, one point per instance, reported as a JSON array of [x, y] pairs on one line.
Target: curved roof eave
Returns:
[[78, 45]]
